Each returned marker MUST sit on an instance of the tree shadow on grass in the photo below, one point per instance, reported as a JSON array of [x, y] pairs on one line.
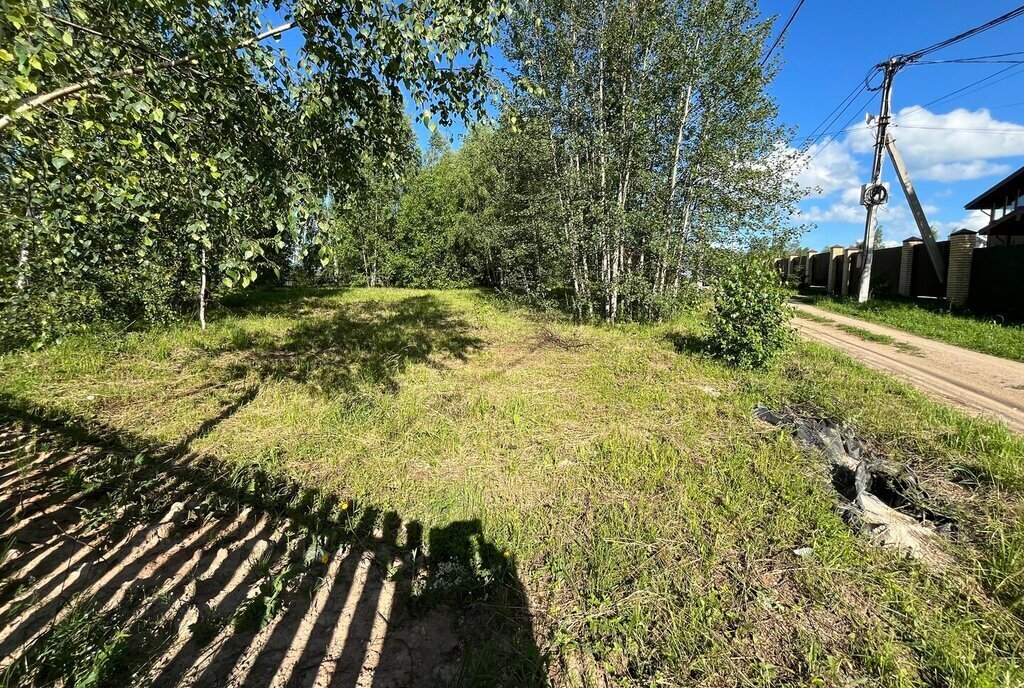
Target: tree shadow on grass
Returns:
[[184, 571], [689, 343], [339, 349]]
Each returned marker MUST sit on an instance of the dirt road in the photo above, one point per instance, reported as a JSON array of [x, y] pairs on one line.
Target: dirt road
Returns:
[[976, 383]]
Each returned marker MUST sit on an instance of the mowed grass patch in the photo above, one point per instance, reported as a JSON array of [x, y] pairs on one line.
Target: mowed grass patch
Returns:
[[652, 519], [989, 335]]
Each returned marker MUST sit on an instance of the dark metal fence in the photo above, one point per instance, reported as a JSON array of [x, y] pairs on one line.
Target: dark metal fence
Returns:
[[996, 276], [885, 272], [819, 270], [924, 281], [997, 281], [837, 275]]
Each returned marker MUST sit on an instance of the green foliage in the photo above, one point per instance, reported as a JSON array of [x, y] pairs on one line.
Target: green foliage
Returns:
[[748, 323], [661, 143], [121, 167]]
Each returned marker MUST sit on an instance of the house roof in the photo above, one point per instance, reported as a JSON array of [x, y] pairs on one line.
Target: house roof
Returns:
[[998, 193]]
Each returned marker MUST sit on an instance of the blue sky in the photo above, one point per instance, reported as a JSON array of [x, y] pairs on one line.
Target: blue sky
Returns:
[[954, 148], [972, 140]]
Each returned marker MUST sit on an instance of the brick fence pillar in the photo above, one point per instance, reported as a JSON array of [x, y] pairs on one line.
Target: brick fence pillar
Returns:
[[958, 276], [806, 279], [848, 263], [833, 253], [907, 265]]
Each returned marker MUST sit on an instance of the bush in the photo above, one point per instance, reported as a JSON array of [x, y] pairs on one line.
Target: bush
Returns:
[[749, 319]]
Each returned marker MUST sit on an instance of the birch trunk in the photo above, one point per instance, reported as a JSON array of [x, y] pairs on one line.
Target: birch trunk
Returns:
[[202, 288]]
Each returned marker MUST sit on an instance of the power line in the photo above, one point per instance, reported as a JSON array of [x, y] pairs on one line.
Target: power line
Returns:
[[839, 114], [991, 24], [845, 127], [834, 132], [969, 60], [899, 61], [969, 129], [935, 62], [829, 120], [782, 33], [1005, 105], [962, 91]]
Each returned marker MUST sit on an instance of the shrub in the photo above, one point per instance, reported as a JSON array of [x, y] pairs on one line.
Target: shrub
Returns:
[[748, 323]]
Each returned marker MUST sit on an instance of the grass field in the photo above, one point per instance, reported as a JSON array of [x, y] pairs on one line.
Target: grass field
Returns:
[[978, 333], [651, 518]]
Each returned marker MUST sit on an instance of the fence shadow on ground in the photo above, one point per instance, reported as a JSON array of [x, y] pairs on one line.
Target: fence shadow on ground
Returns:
[[176, 570]]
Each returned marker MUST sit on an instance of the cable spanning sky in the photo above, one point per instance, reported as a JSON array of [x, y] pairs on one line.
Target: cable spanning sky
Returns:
[[960, 125]]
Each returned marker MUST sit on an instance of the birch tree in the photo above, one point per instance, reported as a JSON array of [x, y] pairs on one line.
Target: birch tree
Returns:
[[663, 140]]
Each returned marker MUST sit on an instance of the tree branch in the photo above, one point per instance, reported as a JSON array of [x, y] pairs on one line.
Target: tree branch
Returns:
[[35, 102]]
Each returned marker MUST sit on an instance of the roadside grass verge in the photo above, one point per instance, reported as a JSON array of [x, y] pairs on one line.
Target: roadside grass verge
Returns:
[[651, 518], [860, 332], [978, 333]]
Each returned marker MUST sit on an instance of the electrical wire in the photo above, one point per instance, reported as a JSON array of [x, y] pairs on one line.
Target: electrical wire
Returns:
[[839, 114], [971, 61], [962, 91], [845, 127], [897, 62], [829, 120], [982, 59], [991, 24], [968, 129], [782, 33]]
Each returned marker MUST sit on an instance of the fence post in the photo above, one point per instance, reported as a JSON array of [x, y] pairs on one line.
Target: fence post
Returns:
[[848, 258], [806, 279], [958, 279], [907, 265], [833, 253]]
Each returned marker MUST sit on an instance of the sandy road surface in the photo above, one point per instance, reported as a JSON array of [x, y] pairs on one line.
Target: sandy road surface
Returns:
[[977, 383]]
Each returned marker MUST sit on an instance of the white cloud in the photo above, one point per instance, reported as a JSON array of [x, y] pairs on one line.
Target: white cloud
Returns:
[[958, 171], [828, 168], [974, 220], [839, 212], [852, 195], [948, 147]]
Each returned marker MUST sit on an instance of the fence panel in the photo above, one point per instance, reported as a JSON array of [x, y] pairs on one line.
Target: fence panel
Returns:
[[855, 270], [819, 270], [924, 281], [836, 287], [885, 272], [997, 280]]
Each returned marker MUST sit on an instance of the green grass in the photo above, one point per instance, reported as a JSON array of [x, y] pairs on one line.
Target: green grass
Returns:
[[652, 520], [860, 332], [987, 335]]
